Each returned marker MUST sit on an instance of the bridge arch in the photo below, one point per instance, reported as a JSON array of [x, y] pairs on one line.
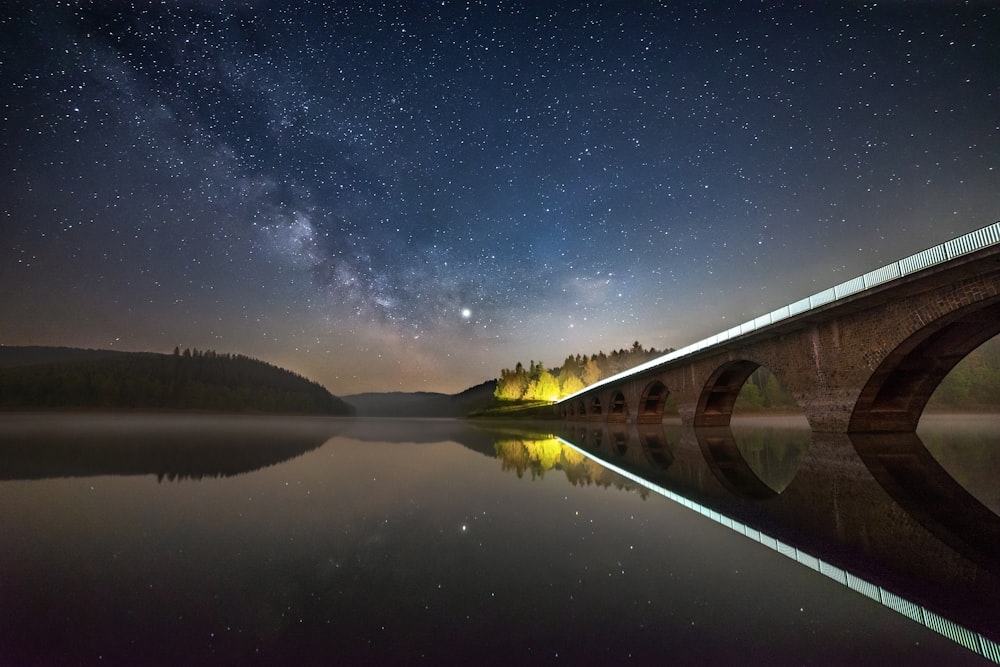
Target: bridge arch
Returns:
[[718, 396], [896, 393], [652, 401], [721, 391], [617, 407], [594, 409]]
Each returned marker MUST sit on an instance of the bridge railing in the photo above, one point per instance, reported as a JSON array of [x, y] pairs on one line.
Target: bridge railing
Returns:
[[962, 245]]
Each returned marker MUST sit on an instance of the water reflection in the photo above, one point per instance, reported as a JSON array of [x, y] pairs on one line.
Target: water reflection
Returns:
[[171, 447], [649, 444], [772, 447], [891, 515], [915, 479], [401, 541], [538, 455], [968, 448], [731, 467]]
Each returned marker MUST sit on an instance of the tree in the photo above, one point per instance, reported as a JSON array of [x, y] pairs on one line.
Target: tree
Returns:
[[591, 372], [546, 387], [571, 385], [512, 384], [749, 398]]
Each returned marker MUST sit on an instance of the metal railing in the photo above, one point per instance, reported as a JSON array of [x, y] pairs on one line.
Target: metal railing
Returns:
[[963, 245]]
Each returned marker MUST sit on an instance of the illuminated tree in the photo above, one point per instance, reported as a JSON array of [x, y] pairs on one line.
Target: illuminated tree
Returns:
[[591, 372], [546, 388], [512, 384], [571, 385]]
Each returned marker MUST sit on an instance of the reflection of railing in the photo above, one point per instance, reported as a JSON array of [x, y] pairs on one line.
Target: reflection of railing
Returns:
[[971, 640], [963, 245]]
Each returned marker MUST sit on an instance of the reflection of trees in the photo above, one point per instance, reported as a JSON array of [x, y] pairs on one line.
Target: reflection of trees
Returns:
[[971, 455], [539, 455], [773, 454], [172, 448], [916, 480]]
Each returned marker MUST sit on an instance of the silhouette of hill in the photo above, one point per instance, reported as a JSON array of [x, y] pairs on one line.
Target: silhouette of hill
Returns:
[[37, 355], [44, 377], [422, 404]]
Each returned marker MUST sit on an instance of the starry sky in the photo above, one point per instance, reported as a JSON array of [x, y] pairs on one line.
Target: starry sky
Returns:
[[413, 195]]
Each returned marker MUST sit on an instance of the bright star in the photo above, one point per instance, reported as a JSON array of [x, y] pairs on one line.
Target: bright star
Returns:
[[466, 313]]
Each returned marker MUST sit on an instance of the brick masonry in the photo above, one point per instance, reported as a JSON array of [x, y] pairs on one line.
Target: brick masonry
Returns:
[[866, 363]]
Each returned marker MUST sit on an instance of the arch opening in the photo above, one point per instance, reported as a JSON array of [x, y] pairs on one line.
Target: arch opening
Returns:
[[972, 385], [617, 408], [763, 394], [745, 388], [595, 407], [652, 403], [896, 394], [718, 396], [960, 425]]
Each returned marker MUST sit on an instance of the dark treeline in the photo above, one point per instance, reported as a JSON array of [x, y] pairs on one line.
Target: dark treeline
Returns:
[[537, 383], [188, 380]]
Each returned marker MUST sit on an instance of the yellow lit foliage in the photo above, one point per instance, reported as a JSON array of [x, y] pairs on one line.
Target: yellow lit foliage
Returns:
[[541, 454]]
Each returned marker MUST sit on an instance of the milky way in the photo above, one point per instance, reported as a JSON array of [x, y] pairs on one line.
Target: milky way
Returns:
[[415, 195]]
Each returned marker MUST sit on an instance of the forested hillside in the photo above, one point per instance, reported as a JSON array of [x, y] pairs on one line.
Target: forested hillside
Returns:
[[422, 404], [67, 378], [537, 383]]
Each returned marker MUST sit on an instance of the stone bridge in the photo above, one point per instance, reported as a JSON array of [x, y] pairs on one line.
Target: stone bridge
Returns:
[[863, 356]]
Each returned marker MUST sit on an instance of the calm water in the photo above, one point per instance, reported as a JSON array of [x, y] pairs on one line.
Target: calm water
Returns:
[[168, 540]]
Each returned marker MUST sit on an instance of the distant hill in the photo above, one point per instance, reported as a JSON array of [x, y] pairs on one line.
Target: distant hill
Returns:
[[53, 377], [33, 355], [422, 404]]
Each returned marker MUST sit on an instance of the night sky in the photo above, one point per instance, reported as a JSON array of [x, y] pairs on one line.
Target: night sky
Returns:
[[412, 196]]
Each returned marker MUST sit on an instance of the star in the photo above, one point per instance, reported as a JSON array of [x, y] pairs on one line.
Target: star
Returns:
[[325, 189]]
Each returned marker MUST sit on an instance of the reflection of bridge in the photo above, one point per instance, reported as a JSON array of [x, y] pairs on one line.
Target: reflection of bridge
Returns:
[[862, 356], [874, 512]]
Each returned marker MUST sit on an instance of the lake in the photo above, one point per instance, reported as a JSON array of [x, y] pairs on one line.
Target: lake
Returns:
[[217, 540]]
